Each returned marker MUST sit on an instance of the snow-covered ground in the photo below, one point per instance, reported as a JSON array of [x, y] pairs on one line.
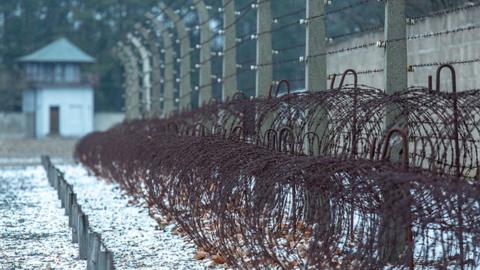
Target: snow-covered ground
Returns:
[[34, 232], [135, 238]]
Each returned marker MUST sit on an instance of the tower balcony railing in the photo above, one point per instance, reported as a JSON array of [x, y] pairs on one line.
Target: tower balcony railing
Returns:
[[82, 81]]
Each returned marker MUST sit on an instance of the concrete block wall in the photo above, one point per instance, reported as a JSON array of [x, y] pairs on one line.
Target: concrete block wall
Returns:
[[14, 125], [444, 48], [105, 120], [21, 125]]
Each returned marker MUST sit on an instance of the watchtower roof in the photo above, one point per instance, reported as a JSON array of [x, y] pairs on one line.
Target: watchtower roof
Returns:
[[59, 51]]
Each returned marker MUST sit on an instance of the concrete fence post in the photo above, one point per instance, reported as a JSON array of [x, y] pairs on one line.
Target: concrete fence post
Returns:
[[94, 251], [74, 225], [395, 228], [89, 242], [169, 65], [205, 80], [184, 59], [156, 72], [132, 94], [145, 74], [229, 81], [315, 66], [264, 72], [55, 179], [83, 235], [105, 260], [395, 53], [68, 200], [131, 87]]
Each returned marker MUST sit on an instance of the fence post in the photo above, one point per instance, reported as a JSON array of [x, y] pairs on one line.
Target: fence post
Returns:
[[264, 74], [94, 250], [105, 260], [205, 80], [184, 58], [132, 98], [395, 54], [74, 220], [83, 234], [315, 66], [156, 71], [169, 66], [69, 197], [127, 84], [394, 242], [146, 72], [229, 80]]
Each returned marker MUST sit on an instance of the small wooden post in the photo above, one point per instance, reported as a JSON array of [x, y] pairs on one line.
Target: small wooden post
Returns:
[[206, 34], [229, 51], [184, 58], [264, 74]]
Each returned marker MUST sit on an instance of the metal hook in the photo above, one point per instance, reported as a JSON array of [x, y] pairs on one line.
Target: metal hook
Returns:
[[237, 131], [280, 83], [219, 130], [404, 136], [332, 83], [453, 73], [239, 96], [199, 130], [311, 136], [285, 134], [355, 78], [212, 101], [455, 113], [270, 138]]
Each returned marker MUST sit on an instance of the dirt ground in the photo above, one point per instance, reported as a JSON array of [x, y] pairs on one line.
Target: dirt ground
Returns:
[[29, 150]]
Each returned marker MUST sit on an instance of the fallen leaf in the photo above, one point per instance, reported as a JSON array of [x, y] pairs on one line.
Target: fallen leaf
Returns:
[[218, 259], [200, 255]]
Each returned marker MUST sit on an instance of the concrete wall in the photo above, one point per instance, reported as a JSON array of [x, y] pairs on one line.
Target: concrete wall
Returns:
[[463, 45], [104, 120], [13, 125], [21, 125]]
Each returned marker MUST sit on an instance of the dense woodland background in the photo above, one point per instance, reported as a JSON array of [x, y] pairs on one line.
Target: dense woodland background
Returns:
[[97, 25]]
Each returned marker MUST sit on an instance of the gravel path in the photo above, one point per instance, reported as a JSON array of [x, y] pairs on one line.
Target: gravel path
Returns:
[[128, 231], [34, 233]]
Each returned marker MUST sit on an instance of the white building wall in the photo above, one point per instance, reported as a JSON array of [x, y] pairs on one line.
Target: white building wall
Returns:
[[75, 115], [28, 101]]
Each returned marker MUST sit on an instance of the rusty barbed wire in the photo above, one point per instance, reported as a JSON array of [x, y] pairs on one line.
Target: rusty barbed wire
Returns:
[[312, 180]]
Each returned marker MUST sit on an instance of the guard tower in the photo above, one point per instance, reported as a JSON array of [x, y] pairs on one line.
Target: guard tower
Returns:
[[59, 97]]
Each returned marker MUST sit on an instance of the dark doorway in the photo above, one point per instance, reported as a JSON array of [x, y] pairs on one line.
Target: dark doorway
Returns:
[[54, 120]]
